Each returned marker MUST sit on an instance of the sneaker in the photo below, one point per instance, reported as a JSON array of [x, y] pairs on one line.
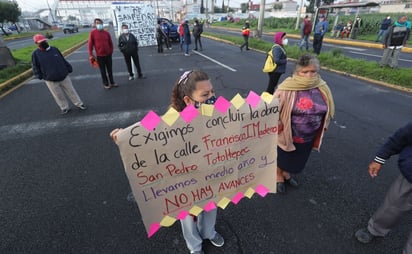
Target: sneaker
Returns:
[[65, 111], [170, 48], [131, 77], [196, 252], [107, 87], [218, 240], [115, 85], [364, 236], [82, 107], [187, 54]]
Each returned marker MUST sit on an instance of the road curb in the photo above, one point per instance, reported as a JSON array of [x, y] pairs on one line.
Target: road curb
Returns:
[[400, 88], [28, 74]]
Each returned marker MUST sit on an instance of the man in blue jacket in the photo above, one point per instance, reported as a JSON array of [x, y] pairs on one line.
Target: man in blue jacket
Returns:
[[49, 64], [321, 28], [398, 200]]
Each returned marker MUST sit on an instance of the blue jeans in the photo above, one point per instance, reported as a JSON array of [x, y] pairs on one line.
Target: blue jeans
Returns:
[[304, 42]]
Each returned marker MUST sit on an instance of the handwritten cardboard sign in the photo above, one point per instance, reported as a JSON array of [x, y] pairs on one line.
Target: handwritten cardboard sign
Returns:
[[198, 159], [140, 18]]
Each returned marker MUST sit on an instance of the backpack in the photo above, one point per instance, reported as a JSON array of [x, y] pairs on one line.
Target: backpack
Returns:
[[269, 65]]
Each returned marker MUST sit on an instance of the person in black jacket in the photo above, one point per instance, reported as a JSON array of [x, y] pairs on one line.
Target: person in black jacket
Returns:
[[128, 45], [398, 200], [49, 64]]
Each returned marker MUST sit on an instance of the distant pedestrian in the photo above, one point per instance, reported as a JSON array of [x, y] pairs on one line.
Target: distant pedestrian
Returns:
[[321, 28], [50, 65], [101, 41], [181, 35], [245, 34], [356, 27], [280, 59], [197, 33], [166, 33], [394, 40], [129, 46], [398, 199], [159, 37], [306, 29], [347, 29], [385, 24], [338, 29], [186, 37]]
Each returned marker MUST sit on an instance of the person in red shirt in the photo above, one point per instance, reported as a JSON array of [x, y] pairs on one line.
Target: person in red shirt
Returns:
[[245, 34], [101, 41]]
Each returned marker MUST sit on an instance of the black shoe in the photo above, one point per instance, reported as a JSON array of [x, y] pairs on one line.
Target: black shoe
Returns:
[[195, 49], [292, 182], [141, 76], [241, 49], [364, 236], [280, 188], [247, 49], [65, 111]]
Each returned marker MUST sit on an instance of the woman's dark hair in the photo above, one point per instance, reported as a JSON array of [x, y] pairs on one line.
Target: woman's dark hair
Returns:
[[185, 86]]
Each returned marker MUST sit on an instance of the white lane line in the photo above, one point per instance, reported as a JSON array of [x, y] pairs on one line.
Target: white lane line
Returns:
[[32, 129], [215, 61], [351, 48], [379, 56]]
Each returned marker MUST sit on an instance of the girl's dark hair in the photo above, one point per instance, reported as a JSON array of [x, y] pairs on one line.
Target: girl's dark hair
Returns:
[[185, 86]]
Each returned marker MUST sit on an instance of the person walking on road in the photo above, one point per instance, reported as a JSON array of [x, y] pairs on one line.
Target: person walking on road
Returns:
[[181, 35], [197, 32], [101, 41], [321, 29], [245, 34], [186, 37], [398, 199], [280, 59], [129, 46], [194, 88], [306, 29], [159, 37], [394, 40], [306, 108], [385, 24], [49, 64]]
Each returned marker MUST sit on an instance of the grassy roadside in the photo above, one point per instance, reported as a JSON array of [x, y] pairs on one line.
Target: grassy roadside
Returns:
[[12, 76], [335, 60]]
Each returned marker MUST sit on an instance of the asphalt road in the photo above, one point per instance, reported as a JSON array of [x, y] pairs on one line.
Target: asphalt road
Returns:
[[64, 190], [356, 52]]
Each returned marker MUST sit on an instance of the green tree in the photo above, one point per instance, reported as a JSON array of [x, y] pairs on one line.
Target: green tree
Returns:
[[9, 12]]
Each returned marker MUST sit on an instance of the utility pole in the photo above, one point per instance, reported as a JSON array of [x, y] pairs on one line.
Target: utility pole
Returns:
[[298, 16], [261, 18]]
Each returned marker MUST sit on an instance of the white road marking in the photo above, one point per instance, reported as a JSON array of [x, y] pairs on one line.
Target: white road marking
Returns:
[[352, 48], [379, 56], [215, 61], [32, 129]]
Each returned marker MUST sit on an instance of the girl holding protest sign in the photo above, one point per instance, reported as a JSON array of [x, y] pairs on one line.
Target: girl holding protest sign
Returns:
[[194, 88], [306, 108]]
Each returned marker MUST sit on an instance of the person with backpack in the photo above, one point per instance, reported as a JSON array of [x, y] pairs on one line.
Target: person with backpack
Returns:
[[306, 28], [245, 34], [280, 59], [197, 31]]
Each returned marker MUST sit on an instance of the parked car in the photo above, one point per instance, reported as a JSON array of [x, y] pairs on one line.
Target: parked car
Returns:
[[174, 33], [70, 28]]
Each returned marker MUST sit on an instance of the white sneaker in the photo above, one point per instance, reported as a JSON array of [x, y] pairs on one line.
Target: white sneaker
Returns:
[[187, 54], [131, 77]]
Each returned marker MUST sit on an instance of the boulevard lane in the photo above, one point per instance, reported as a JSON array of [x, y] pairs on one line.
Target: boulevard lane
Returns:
[[368, 54], [64, 189]]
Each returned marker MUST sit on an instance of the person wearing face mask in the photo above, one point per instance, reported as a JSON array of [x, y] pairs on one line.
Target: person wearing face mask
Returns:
[[394, 40], [194, 88], [280, 58], [128, 45], [101, 42], [49, 64], [306, 108]]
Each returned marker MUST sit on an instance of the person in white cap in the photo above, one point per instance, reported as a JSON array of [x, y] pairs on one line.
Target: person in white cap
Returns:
[[49, 64]]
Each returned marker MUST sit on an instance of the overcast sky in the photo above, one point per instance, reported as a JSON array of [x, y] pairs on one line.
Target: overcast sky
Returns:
[[34, 5]]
